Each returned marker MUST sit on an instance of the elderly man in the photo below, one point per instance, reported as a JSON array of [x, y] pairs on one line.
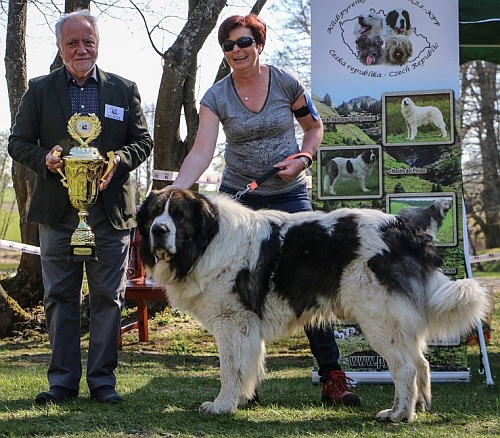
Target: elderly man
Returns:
[[38, 140]]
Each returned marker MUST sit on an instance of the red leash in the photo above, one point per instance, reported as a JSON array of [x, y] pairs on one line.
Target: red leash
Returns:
[[254, 184]]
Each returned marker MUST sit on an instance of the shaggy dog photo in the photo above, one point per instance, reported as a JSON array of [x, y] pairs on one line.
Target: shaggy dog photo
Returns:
[[397, 21], [346, 169], [430, 218], [370, 49], [398, 49], [417, 116], [255, 276]]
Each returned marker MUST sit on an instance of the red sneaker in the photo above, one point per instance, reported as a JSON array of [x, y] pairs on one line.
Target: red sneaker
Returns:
[[338, 390]]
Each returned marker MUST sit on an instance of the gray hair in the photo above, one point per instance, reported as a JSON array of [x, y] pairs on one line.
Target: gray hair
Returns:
[[84, 14]]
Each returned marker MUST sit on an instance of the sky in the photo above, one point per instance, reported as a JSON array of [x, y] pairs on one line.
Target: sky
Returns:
[[125, 48]]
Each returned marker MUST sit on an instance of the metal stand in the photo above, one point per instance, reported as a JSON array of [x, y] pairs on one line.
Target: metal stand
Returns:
[[479, 324]]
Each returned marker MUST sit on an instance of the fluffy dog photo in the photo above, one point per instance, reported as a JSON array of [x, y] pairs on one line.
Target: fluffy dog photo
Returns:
[[254, 276], [370, 49], [357, 169], [429, 218], [417, 116], [398, 49]]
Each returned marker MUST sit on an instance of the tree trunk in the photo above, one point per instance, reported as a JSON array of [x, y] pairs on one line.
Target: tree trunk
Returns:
[[26, 287], [490, 158], [177, 85]]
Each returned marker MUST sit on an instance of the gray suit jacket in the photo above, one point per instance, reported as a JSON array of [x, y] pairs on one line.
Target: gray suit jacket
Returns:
[[41, 123]]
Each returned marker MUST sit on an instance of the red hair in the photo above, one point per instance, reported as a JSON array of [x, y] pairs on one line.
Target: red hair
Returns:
[[251, 21]]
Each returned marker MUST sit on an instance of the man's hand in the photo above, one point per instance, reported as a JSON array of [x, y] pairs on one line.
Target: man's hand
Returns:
[[109, 176], [53, 159]]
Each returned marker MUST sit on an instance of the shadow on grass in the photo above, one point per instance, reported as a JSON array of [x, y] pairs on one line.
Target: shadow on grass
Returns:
[[163, 392]]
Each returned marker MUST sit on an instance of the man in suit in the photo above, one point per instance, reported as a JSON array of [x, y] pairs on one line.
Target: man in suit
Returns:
[[38, 140]]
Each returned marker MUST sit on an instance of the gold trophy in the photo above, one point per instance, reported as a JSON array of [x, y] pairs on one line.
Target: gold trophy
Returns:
[[84, 171]]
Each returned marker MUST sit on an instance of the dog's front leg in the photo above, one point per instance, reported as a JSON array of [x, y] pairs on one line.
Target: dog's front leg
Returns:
[[241, 356], [362, 183]]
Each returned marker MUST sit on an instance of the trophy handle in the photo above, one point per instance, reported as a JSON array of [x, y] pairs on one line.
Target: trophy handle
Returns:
[[110, 163], [63, 179]]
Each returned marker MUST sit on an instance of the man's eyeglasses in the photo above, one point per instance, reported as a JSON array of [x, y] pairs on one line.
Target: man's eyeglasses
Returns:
[[242, 43]]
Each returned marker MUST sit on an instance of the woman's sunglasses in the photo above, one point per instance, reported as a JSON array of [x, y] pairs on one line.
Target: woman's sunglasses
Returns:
[[242, 43]]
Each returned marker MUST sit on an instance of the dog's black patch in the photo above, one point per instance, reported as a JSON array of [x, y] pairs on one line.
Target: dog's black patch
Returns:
[[312, 261], [410, 256], [197, 223], [349, 167], [253, 286]]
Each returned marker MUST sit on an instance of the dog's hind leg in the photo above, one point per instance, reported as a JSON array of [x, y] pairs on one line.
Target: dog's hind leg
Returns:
[[423, 380], [398, 350], [241, 355]]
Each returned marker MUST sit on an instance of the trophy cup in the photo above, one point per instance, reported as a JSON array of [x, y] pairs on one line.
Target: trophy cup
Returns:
[[84, 171]]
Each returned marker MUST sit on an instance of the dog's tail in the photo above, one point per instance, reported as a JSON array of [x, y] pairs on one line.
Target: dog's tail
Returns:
[[455, 306]]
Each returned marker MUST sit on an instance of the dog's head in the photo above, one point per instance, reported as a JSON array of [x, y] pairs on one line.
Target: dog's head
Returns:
[[368, 156], [176, 226], [406, 102], [369, 23], [398, 21], [398, 49], [441, 208], [370, 49]]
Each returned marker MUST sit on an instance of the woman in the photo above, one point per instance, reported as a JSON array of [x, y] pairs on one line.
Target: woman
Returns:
[[256, 105]]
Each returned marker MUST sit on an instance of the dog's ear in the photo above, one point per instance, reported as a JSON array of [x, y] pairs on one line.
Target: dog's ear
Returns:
[[143, 216]]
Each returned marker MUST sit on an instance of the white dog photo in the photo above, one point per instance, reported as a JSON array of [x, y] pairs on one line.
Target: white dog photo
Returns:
[[417, 116], [369, 23]]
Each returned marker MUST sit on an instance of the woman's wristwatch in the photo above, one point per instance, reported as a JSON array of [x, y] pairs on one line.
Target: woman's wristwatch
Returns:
[[305, 161]]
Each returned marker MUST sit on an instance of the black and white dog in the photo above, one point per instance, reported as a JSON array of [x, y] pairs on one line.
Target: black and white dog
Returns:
[[398, 21], [430, 218], [346, 169], [254, 276]]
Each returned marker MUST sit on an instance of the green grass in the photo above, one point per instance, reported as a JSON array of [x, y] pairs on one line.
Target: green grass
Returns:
[[164, 381]]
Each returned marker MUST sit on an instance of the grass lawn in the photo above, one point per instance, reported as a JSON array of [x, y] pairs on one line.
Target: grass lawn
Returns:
[[164, 381]]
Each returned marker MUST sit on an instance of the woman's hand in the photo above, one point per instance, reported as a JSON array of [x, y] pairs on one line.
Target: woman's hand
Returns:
[[289, 169]]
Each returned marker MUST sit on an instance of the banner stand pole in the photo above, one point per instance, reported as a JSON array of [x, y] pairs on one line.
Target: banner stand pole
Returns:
[[479, 324]]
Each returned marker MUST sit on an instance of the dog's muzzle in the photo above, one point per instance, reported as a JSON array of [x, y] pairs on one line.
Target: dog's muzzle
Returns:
[[158, 237]]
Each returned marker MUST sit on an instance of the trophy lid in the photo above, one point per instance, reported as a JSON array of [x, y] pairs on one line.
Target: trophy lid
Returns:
[[84, 153]]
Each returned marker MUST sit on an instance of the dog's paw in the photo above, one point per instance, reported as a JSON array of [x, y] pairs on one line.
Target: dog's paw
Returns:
[[215, 409], [389, 415]]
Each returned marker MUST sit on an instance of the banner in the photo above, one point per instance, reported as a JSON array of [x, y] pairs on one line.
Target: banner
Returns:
[[385, 79]]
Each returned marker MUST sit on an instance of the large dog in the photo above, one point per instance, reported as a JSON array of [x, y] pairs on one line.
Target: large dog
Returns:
[[254, 276], [417, 116], [430, 218], [346, 169]]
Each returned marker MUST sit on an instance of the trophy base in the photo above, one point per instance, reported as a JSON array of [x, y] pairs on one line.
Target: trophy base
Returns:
[[82, 253]]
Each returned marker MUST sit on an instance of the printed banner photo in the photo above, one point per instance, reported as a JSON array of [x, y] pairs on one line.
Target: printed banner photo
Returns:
[[385, 80]]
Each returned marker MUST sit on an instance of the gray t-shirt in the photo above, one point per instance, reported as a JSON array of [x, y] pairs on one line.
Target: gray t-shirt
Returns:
[[257, 141]]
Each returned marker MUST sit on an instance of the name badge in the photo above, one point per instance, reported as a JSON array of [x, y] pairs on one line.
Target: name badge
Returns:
[[113, 112]]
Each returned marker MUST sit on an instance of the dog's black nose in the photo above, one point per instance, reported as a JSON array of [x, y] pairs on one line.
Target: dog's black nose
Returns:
[[158, 230]]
